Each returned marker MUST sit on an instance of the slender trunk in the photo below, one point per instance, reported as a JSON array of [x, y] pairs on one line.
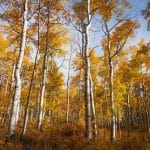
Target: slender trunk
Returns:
[[7, 105], [12, 80], [111, 96], [93, 109], [17, 94], [146, 100], [4, 116], [111, 91], [83, 41], [12, 83], [37, 105], [102, 118], [128, 112], [31, 114], [25, 121], [87, 76], [80, 96], [58, 109], [68, 104], [6, 88], [41, 102], [68, 88]]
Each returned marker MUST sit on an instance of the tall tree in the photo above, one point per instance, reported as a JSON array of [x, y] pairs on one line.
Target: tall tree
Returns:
[[114, 43], [83, 20], [25, 119], [86, 27], [68, 86], [17, 94], [41, 102]]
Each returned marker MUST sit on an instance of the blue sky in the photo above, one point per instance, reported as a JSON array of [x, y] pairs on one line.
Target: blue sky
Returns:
[[137, 7], [141, 33]]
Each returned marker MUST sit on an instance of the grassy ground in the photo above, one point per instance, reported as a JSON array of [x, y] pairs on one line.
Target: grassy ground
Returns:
[[67, 137]]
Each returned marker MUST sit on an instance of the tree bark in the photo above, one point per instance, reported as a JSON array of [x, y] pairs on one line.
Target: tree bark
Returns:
[[93, 109], [25, 121], [41, 102], [146, 103], [111, 91], [17, 93], [80, 97], [111, 96], [128, 111], [87, 75], [68, 88]]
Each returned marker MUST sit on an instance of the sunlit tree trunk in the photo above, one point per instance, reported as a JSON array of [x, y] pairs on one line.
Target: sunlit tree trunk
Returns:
[[128, 111], [93, 109], [12, 82], [148, 114], [4, 116], [87, 74], [68, 88], [80, 96], [146, 109], [111, 96], [6, 88], [6, 105], [25, 121], [42, 95], [17, 93], [37, 104], [111, 91], [10, 96]]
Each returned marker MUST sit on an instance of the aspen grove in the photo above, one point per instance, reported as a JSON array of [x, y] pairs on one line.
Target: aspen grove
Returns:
[[75, 74]]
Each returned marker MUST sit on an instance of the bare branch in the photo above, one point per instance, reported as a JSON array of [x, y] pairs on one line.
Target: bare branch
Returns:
[[61, 63]]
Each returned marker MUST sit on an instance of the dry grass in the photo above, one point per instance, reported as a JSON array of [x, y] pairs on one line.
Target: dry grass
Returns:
[[68, 137]]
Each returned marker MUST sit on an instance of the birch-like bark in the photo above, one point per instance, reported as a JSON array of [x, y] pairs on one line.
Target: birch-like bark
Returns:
[[128, 111], [26, 114], [9, 103], [111, 96], [17, 93], [37, 104], [111, 93], [12, 82], [148, 116], [87, 75], [4, 116], [68, 88], [80, 96], [148, 113], [93, 109], [41, 102], [6, 88]]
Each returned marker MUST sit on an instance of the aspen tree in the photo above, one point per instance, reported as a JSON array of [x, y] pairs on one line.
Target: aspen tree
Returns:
[[17, 93]]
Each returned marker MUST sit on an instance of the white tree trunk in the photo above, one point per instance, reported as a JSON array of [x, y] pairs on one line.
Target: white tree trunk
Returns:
[[6, 88], [41, 102], [87, 75], [68, 88], [128, 112], [93, 109], [111, 86], [17, 93], [26, 114], [113, 116]]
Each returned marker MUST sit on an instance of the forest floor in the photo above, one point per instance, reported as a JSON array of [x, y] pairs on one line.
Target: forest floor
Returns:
[[71, 137]]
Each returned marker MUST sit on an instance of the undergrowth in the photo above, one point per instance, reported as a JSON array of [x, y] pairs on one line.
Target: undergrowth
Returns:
[[71, 137]]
